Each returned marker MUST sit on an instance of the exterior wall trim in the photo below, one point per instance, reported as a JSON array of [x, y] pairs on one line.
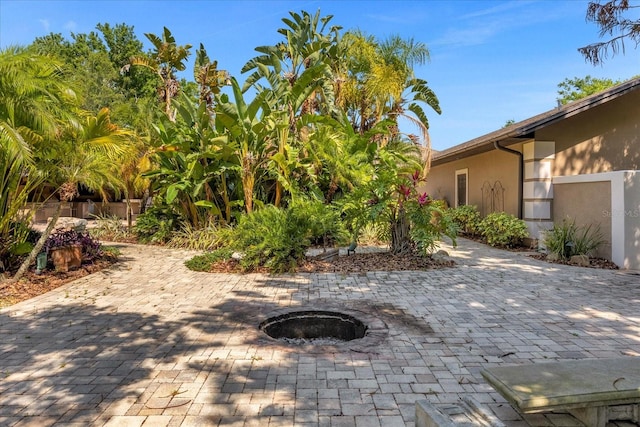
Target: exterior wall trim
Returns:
[[537, 185]]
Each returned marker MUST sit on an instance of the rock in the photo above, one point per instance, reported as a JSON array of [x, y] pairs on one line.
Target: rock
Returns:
[[551, 256], [441, 256], [580, 260], [237, 256], [70, 223], [328, 255]]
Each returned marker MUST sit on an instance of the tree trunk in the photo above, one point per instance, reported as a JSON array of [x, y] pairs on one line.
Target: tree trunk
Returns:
[[225, 198], [283, 135], [36, 249], [400, 239], [248, 182], [278, 194], [333, 187], [129, 219]]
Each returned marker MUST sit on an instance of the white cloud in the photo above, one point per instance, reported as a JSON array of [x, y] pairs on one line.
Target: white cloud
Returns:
[[469, 36], [502, 7], [481, 26], [401, 19], [44, 23], [70, 25]]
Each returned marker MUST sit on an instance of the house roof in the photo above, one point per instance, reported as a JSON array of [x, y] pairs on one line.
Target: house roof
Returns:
[[525, 129]]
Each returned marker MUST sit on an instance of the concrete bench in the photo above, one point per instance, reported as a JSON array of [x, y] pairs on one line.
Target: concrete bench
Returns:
[[593, 390], [465, 413]]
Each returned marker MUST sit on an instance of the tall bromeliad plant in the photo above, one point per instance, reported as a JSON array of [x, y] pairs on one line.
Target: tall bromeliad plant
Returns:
[[423, 218], [392, 200]]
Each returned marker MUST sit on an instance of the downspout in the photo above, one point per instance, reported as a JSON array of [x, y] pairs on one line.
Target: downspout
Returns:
[[520, 173]]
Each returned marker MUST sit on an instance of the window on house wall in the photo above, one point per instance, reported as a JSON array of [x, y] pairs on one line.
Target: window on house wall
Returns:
[[462, 187]]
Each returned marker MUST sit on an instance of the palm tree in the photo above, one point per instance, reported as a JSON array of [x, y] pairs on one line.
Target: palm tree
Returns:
[[165, 61], [82, 155], [33, 96], [306, 44], [380, 83], [285, 112], [135, 164], [337, 155]]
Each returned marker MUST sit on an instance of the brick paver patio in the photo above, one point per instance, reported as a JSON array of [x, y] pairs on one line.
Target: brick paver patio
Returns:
[[150, 343]]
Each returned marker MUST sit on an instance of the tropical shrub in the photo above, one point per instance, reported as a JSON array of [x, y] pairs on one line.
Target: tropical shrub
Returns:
[[15, 244], [324, 226], [374, 235], [110, 228], [91, 248], [429, 222], [567, 239], [156, 225], [203, 262], [197, 238], [467, 218], [503, 229], [393, 200], [273, 238]]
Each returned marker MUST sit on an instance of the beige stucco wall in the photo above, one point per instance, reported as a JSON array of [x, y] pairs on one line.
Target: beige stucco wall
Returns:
[[586, 203], [622, 214], [602, 139], [491, 167]]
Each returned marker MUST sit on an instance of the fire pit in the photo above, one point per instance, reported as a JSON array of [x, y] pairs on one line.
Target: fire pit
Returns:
[[315, 327]]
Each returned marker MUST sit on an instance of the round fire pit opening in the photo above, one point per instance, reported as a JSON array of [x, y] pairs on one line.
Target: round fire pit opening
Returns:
[[319, 327]]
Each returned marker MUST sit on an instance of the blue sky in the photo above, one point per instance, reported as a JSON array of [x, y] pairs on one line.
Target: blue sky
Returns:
[[491, 61]]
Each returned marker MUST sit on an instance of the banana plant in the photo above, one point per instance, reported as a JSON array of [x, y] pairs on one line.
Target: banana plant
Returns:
[[248, 134], [192, 164], [208, 77], [165, 61]]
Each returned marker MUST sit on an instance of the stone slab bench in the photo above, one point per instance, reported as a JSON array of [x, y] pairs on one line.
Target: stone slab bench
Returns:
[[592, 390]]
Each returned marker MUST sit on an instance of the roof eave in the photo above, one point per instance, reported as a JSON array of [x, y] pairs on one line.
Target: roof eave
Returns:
[[524, 129]]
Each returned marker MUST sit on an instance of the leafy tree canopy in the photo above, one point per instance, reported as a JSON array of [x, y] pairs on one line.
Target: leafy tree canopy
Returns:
[[570, 90], [93, 64]]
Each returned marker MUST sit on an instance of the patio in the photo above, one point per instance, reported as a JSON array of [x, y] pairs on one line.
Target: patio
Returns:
[[150, 343]]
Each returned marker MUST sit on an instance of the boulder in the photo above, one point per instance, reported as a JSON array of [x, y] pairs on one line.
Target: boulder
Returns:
[[552, 256], [441, 256], [70, 223], [580, 260], [330, 254]]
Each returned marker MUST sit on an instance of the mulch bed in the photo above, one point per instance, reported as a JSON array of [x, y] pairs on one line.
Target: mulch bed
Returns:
[[33, 284], [354, 263], [593, 262], [377, 261]]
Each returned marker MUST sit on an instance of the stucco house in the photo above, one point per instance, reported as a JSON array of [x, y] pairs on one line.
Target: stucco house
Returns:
[[579, 161]]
